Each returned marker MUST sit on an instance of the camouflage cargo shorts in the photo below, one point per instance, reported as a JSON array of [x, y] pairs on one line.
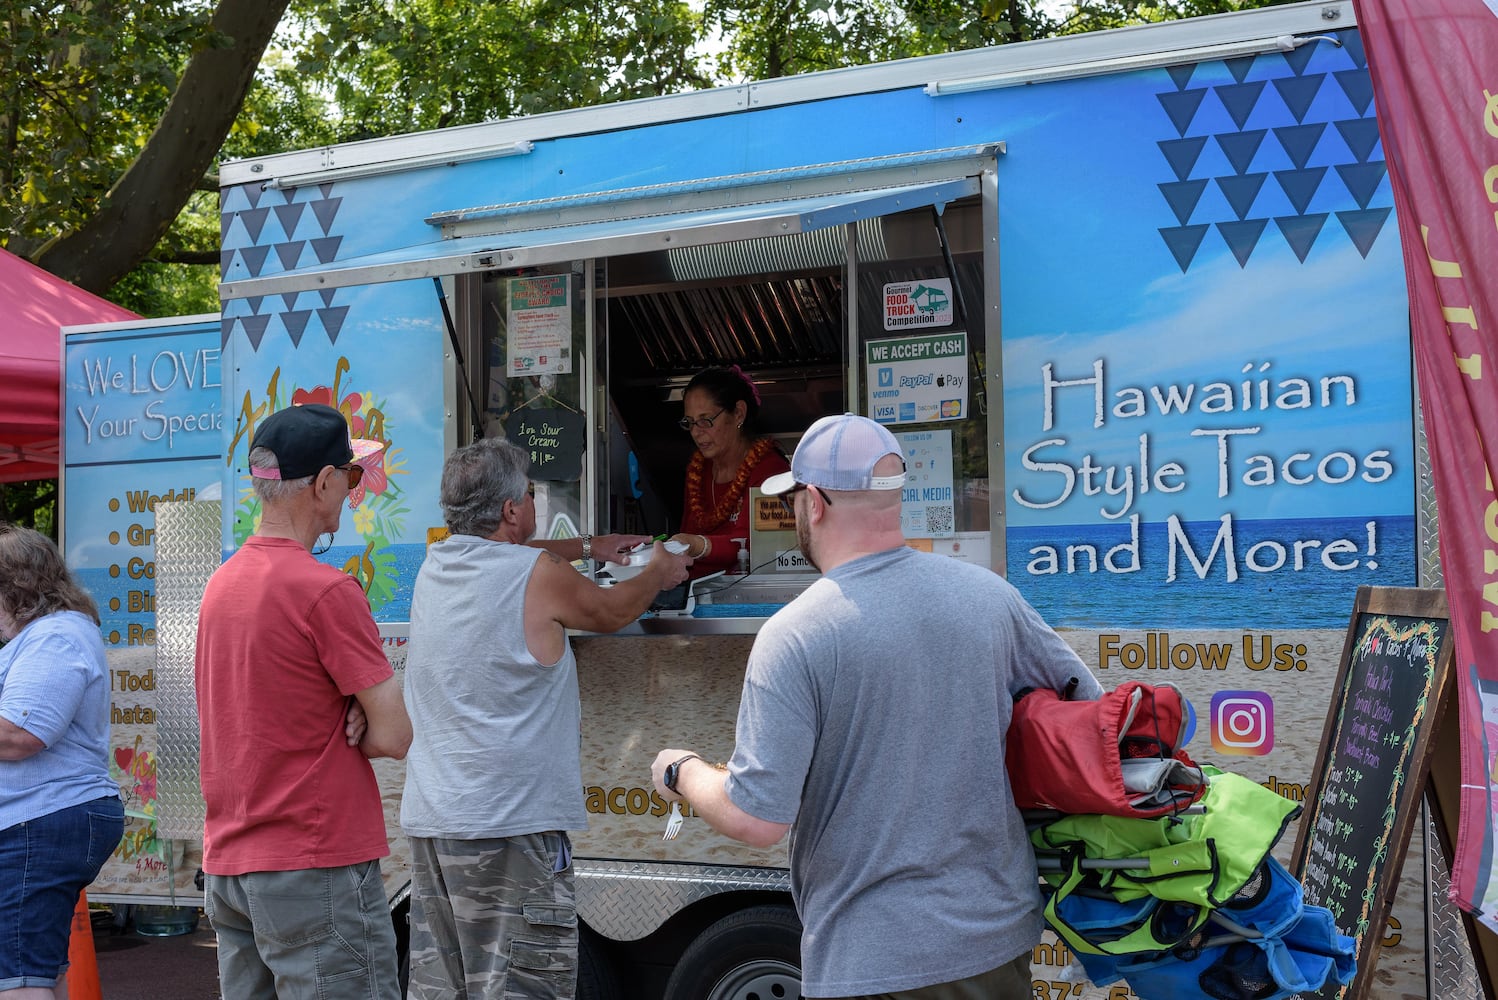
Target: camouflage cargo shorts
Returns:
[[493, 918]]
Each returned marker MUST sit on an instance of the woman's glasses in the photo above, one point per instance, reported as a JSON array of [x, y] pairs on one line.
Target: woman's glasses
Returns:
[[355, 474], [706, 423]]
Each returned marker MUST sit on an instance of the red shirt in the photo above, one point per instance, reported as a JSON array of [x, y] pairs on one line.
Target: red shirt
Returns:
[[725, 551], [283, 640]]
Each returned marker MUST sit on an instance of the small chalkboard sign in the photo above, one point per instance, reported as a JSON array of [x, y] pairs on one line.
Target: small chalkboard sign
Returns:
[[1364, 794], [554, 438]]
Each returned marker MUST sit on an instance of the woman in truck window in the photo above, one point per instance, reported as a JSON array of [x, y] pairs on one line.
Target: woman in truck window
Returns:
[[60, 811], [719, 409]]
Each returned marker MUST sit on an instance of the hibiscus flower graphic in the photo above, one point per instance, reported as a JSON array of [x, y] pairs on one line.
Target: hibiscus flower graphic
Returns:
[[376, 480]]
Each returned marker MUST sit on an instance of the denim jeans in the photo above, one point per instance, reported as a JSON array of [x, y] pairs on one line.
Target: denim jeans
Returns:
[[44, 864], [316, 933]]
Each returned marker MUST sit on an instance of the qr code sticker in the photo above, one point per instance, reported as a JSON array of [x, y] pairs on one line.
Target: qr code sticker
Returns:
[[939, 519]]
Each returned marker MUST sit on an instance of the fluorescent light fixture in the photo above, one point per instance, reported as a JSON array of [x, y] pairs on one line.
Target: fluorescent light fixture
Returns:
[[331, 172], [1118, 64]]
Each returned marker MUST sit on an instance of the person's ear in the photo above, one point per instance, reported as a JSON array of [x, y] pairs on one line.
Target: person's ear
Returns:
[[740, 412], [321, 479]]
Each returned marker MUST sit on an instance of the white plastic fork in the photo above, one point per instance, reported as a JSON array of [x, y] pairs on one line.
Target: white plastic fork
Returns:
[[673, 825]]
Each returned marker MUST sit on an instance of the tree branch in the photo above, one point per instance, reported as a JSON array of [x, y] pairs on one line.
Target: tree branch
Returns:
[[142, 205]]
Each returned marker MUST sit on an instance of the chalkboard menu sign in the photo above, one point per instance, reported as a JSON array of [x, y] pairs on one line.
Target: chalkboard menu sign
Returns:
[[1363, 797], [554, 438]]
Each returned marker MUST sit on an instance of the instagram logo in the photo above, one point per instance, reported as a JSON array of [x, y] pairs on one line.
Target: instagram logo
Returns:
[[1242, 723]]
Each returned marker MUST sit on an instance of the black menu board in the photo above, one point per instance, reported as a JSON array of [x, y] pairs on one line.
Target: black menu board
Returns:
[[554, 439], [1363, 797]]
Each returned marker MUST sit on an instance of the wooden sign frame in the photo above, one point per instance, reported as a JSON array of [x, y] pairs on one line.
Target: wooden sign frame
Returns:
[[1378, 864]]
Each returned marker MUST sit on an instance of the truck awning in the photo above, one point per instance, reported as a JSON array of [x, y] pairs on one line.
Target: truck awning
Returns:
[[629, 231]]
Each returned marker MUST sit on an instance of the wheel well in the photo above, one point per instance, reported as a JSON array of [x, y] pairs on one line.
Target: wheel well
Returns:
[[649, 960]]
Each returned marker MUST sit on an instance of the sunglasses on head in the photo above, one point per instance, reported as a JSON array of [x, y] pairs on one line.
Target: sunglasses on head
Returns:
[[788, 498], [355, 474]]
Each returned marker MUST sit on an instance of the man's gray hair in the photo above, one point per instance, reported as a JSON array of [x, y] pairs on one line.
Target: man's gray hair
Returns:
[[477, 479], [274, 490]]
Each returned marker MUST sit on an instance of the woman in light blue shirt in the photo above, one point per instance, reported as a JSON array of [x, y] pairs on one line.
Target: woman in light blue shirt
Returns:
[[60, 812]]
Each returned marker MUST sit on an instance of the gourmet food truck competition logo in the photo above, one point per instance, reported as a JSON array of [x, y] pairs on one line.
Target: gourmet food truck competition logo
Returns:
[[379, 510]]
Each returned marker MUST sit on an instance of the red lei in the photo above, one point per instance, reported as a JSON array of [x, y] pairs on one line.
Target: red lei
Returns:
[[730, 500]]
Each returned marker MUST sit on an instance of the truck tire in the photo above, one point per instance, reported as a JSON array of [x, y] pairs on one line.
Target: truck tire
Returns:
[[754, 954], [597, 979]]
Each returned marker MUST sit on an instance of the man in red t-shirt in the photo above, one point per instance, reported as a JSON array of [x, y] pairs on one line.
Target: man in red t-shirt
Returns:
[[294, 695]]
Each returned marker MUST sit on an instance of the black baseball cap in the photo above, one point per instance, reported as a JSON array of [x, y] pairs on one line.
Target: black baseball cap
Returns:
[[306, 438]]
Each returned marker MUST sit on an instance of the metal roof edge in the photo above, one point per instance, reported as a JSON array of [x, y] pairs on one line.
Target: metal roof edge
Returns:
[[1311, 17]]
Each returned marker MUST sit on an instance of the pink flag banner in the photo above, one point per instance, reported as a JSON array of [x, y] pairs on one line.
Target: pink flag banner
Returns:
[[1434, 65]]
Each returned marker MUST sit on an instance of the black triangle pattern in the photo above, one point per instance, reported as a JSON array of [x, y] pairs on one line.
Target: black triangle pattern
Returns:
[[1300, 185], [289, 253], [1183, 242], [296, 324], [1299, 93], [254, 329], [1362, 179], [1241, 192], [1183, 196], [1300, 231], [1361, 136], [1240, 99], [1181, 154], [1242, 237], [1296, 112], [1240, 147], [332, 321], [1181, 107], [1299, 141], [248, 251], [1358, 87], [1364, 226]]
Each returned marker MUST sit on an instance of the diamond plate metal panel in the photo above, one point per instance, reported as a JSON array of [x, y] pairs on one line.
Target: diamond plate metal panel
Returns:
[[627, 900], [188, 550], [1451, 969], [1453, 972], [1427, 524]]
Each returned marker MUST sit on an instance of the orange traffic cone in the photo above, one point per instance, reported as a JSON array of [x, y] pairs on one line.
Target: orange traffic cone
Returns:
[[83, 965]]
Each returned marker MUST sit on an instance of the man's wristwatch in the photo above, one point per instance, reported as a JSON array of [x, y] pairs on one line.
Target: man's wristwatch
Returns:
[[673, 771], [587, 546]]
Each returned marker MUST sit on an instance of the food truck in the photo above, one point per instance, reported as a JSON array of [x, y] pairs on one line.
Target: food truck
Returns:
[[1133, 303]]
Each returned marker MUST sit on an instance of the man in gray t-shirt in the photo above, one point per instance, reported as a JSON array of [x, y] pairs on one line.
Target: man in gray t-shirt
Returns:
[[872, 726]]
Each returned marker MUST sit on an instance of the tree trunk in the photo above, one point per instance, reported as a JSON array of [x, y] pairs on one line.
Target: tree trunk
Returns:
[[140, 208]]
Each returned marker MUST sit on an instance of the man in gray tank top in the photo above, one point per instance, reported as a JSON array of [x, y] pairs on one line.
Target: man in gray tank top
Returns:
[[872, 727], [493, 776]]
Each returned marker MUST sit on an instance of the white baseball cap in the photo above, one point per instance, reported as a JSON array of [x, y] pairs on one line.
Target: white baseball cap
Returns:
[[839, 453]]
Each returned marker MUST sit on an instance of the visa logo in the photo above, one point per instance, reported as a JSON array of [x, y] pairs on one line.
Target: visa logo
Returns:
[[884, 413]]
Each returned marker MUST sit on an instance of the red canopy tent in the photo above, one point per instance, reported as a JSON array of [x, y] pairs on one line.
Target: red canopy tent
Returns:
[[36, 306]]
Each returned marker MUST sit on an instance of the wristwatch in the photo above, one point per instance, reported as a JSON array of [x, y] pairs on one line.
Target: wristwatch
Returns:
[[587, 546], [673, 771]]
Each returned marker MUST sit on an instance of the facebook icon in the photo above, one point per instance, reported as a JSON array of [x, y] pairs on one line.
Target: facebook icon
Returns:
[[886, 377]]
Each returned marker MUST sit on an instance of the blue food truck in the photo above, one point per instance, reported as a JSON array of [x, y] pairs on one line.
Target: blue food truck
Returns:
[[1132, 301]]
